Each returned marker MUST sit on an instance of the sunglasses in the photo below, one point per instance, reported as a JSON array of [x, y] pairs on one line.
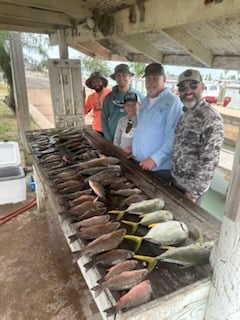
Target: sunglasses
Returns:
[[192, 85], [129, 126]]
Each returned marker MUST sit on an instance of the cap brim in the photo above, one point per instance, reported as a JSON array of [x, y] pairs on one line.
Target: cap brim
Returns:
[[113, 76]]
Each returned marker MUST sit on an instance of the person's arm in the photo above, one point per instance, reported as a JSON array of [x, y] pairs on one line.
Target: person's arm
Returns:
[[88, 105], [213, 136], [104, 117], [118, 134]]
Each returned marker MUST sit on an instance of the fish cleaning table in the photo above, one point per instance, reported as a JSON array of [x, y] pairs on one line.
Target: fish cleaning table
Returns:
[[177, 293]]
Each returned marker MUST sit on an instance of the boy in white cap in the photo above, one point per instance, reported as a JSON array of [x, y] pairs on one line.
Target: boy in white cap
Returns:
[[198, 139], [113, 106], [126, 125]]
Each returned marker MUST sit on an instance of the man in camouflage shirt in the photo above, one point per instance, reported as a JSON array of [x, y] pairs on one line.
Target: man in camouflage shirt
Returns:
[[198, 139]]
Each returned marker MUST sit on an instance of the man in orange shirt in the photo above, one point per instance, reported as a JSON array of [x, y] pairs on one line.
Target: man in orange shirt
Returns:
[[95, 100]]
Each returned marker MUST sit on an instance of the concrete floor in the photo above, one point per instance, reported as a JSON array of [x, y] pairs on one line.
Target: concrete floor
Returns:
[[37, 278]]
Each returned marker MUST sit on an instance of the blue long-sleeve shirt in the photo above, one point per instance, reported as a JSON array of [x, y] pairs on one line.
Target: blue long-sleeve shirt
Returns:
[[154, 134]]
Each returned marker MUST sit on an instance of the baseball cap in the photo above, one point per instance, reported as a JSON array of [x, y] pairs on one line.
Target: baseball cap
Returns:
[[189, 74], [154, 69], [130, 96]]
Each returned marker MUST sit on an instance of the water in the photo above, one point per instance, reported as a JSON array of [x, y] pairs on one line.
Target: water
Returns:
[[235, 95], [214, 203]]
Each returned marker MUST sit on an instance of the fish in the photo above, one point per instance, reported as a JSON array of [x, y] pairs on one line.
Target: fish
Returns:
[[85, 206], [68, 184], [76, 194], [136, 296], [81, 199], [88, 214], [90, 233], [186, 256], [109, 172], [92, 170], [103, 161], [150, 218], [101, 244], [141, 207], [163, 233], [126, 192], [110, 258], [133, 198], [92, 221], [121, 266], [97, 188], [122, 281]]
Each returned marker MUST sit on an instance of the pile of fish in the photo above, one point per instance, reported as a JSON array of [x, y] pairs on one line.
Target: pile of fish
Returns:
[[105, 211]]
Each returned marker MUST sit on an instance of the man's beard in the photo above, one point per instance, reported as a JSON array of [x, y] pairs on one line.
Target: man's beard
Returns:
[[189, 104], [99, 88]]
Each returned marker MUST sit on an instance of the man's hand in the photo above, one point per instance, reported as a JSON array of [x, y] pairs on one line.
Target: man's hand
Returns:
[[188, 196], [147, 164]]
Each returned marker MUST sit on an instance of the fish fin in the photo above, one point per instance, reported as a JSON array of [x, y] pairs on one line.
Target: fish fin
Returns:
[[136, 239], [142, 215], [76, 255], [134, 225], [119, 213], [167, 247], [111, 311], [151, 261], [73, 238], [152, 225]]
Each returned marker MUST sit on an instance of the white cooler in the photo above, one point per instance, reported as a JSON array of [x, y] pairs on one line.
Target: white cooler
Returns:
[[12, 177]]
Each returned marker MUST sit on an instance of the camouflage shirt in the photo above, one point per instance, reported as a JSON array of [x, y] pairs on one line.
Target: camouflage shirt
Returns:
[[198, 139]]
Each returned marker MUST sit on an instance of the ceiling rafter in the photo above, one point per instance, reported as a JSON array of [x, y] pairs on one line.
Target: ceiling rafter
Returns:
[[191, 45]]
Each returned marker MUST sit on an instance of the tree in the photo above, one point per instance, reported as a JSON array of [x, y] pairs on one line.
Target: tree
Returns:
[[138, 68], [34, 46], [5, 66], [91, 65]]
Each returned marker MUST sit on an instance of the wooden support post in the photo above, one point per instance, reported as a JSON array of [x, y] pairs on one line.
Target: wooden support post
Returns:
[[224, 295], [63, 47], [20, 88]]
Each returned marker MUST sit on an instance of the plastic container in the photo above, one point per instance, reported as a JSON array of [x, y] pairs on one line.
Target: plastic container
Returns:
[[12, 177]]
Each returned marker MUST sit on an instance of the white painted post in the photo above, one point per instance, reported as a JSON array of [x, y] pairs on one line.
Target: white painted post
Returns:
[[224, 295]]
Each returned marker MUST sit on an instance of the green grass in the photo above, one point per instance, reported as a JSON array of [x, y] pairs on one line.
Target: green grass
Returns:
[[8, 122]]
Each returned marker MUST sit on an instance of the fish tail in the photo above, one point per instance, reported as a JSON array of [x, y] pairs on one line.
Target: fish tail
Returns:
[[73, 238], [76, 255], [111, 311], [151, 261], [88, 265], [97, 289], [134, 225], [119, 213], [136, 239]]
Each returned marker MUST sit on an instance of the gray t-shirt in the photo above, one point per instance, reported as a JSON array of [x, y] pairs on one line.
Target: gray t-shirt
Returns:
[[122, 138]]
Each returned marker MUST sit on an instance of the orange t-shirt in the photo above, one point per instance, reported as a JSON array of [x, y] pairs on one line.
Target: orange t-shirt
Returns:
[[94, 102]]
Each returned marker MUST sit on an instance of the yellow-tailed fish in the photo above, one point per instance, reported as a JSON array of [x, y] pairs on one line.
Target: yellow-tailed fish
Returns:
[[185, 256], [141, 207], [150, 218], [164, 233]]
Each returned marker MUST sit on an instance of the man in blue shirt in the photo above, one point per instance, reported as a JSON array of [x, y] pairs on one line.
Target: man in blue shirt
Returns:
[[157, 119]]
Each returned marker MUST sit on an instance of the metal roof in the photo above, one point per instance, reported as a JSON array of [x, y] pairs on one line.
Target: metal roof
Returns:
[[200, 33]]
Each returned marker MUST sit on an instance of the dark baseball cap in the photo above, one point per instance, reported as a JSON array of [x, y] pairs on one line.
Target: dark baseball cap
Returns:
[[130, 96], [154, 69]]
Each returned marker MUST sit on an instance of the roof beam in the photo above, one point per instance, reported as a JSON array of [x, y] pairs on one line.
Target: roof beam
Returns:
[[74, 8], [40, 16], [143, 47], [26, 26], [163, 15], [194, 47]]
